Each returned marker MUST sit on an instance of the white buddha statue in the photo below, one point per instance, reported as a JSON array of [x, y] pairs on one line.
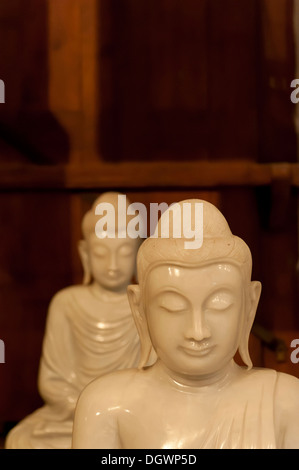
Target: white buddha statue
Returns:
[[195, 307], [90, 331]]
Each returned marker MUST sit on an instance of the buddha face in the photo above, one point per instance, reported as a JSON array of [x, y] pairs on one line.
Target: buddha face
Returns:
[[111, 261], [195, 316]]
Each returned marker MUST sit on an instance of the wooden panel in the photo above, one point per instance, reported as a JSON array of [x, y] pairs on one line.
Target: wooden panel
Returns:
[[181, 79], [50, 114], [28, 130], [73, 69], [277, 70], [35, 263], [65, 62], [147, 80], [148, 175]]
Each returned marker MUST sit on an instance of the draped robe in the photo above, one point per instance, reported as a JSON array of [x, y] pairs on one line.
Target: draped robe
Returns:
[[87, 336]]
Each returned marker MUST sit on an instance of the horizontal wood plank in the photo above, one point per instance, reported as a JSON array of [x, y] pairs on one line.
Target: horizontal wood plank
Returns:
[[162, 175]]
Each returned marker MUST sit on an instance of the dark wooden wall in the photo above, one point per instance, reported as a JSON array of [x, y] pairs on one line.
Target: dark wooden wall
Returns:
[[175, 77], [163, 100]]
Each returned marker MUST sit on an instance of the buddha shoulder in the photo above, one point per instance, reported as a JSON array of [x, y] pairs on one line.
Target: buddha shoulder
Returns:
[[287, 392], [67, 293], [105, 393]]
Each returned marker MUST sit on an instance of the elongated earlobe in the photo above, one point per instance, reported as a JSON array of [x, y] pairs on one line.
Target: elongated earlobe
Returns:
[[250, 311], [141, 324], [83, 253]]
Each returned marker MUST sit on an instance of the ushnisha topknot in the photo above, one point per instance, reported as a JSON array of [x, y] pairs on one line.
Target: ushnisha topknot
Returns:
[[219, 244], [90, 218]]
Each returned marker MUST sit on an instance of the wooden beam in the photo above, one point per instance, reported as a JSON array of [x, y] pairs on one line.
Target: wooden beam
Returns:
[[133, 175]]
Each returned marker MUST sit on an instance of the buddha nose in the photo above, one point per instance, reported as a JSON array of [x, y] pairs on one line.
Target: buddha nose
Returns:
[[112, 264], [197, 328]]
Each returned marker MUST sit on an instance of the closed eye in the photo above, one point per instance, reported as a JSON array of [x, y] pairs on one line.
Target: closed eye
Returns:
[[100, 252], [219, 300], [173, 302], [172, 309], [125, 250]]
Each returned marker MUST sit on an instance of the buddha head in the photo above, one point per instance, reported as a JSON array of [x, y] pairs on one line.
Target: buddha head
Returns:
[[195, 307], [108, 259]]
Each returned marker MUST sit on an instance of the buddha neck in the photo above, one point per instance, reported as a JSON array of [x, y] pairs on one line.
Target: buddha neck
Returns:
[[105, 294], [192, 384]]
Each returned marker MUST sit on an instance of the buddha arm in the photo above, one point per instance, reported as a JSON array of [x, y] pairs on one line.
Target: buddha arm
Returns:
[[96, 416], [57, 377], [287, 411]]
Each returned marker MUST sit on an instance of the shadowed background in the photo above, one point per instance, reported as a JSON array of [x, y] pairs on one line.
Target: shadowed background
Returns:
[[163, 100]]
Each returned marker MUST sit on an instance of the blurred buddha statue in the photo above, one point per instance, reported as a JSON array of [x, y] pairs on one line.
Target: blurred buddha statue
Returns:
[[195, 307], [90, 331]]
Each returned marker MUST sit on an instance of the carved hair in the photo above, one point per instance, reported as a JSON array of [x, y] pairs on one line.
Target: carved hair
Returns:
[[218, 244]]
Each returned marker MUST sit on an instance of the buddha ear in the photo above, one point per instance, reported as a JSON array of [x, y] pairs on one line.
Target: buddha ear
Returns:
[[255, 289], [255, 294], [83, 253], [141, 324]]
